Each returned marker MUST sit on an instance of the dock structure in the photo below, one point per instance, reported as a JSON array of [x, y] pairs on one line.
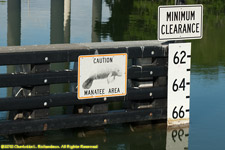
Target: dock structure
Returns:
[[145, 99]]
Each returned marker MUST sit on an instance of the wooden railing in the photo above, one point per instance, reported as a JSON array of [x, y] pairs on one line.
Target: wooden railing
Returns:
[[28, 106]]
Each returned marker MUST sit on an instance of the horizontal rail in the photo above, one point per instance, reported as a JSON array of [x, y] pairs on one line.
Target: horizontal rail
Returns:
[[31, 79], [67, 99], [70, 52], [41, 57], [80, 120], [146, 71], [70, 76]]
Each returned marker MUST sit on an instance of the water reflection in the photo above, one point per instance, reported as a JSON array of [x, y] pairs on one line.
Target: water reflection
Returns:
[[57, 22], [67, 18], [132, 20], [65, 21], [177, 138], [96, 20], [209, 53], [14, 22], [127, 137]]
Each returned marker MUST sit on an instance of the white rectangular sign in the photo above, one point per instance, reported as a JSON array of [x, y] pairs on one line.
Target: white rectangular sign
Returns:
[[102, 75], [179, 22], [178, 99]]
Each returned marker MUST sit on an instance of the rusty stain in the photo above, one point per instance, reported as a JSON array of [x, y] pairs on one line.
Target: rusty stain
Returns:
[[177, 127], [178, 121], [45, 127]]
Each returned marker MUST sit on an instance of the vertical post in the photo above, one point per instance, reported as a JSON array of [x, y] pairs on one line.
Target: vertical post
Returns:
[[57, 32], [96, 18], [14, 22], [28, 5], [57, 20], [67, 15], [67, 22], [13, 39], [14, 26], [178, 93]]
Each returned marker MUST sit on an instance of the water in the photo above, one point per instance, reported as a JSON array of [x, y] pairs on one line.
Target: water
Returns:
[[121, 21]]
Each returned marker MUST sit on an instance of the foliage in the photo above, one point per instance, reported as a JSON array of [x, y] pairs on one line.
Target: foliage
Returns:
[[137, 20]]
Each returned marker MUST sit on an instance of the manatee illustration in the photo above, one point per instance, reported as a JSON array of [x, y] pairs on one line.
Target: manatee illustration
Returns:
[[109, 72]]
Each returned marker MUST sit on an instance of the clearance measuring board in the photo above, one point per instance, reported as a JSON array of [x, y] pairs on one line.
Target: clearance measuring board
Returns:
[[178, 98], [102, 75], [179, 22]]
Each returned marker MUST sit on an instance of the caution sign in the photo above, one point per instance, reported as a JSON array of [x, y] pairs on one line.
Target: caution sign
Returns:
[[102, 75], [180, 22]]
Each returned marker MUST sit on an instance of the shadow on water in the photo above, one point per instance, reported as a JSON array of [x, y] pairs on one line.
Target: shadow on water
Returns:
[[125, 137], [137, 20], [132, 20], [209, 52]]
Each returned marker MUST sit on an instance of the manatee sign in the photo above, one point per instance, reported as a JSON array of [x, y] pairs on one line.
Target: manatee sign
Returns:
[[179, 22], [102, 75]]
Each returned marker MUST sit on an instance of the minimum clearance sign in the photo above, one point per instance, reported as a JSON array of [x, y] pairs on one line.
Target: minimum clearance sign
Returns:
[[180, 22], [102, 75]]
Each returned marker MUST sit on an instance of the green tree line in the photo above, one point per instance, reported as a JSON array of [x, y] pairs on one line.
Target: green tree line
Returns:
[[137, 20]]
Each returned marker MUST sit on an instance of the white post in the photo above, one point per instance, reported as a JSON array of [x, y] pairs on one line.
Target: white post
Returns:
[[67, 14], [178, 99]]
